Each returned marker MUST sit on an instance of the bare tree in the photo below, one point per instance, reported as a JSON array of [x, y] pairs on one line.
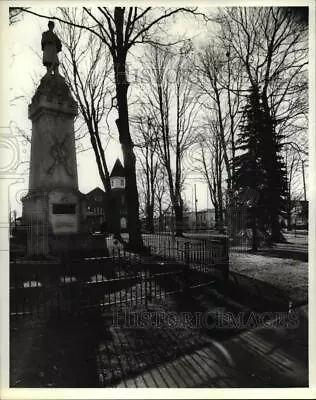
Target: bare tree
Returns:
[[162, 198], [120, 29], [208, 160], [219, 81], [15, 15], [149, 166], [292, 162], [272, 47], [172, 110]]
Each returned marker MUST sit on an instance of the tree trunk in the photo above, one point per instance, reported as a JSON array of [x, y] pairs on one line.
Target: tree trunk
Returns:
[[133, 222], [216, 216], [113, 216], [150, 218], [289, 221], [220, 219], [276, 235], [160, 217], [178, 212]]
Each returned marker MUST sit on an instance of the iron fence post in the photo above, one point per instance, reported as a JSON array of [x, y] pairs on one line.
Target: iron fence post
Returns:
[[225, 264], [186, 267], [147, 285]]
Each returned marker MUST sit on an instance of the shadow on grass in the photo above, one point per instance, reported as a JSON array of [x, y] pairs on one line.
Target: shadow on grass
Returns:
[[286, 250], [284, 253]]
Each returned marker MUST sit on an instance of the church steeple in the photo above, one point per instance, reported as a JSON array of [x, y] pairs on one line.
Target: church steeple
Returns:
[[118, 169], [117, 176]]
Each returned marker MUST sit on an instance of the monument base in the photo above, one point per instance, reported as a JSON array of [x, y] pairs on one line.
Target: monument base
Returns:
[[54, 225], [78, 245]]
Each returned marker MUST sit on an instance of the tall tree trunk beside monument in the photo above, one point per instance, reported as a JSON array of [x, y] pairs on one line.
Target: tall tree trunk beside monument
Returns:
[[178, 213], [119, 57], [133, 223]]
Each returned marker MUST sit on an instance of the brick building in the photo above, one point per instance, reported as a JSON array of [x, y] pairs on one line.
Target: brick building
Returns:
[[95, 209], [96, 217]]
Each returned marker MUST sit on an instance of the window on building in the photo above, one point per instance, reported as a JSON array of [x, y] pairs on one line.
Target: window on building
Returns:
[[64, 208], [122, 182], [123, 223]]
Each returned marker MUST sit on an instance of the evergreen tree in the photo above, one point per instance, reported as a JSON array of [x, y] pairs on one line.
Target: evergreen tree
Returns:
[[249, 169], [260, 167]]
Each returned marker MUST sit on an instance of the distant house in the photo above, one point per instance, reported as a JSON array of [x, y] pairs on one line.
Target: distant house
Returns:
[[96, 213], [295, 215], [300, 213], [202, 219], [95, 209]]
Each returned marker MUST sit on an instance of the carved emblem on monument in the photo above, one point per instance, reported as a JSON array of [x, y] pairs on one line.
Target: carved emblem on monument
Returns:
[[59, 153]]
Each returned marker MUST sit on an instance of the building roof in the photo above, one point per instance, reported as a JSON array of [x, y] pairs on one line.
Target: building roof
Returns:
[[205, 210], [118, 169], [95, 190]]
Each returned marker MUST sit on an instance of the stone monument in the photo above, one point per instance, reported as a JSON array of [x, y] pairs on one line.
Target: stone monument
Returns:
[[53, 209]]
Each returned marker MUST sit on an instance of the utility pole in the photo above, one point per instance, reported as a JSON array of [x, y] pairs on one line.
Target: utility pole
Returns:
[[195, 202]]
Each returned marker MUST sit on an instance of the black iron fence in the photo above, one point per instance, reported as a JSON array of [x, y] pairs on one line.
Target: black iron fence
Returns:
[[204, 255], [68, 287]]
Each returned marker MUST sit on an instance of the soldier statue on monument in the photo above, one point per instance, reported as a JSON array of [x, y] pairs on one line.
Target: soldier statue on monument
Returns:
[[51, 46]]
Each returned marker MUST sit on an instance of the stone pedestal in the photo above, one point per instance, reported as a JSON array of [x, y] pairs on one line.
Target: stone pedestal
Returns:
[[53, 156], [35, 219], [53, 205]]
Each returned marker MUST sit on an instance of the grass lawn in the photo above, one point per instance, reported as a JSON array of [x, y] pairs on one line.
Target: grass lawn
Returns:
[[281, 266]]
